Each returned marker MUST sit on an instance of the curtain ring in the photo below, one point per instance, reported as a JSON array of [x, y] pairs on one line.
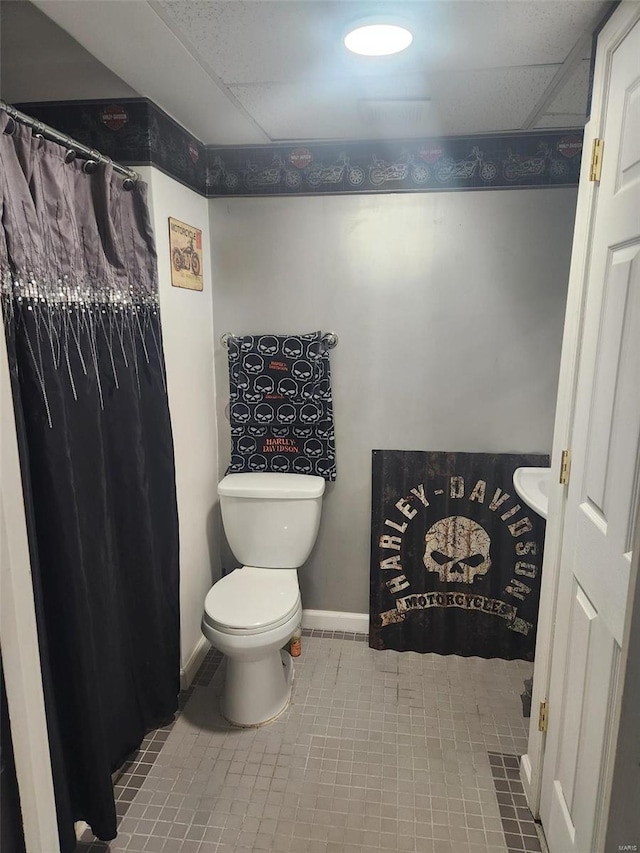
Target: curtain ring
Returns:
[[70, 155], [89, 166], [10, 126]]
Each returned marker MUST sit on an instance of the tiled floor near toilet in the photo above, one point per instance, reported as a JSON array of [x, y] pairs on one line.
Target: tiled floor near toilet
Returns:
[[379, 751]]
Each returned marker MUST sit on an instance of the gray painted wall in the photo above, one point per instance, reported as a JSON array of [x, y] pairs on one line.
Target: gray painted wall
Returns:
[[449, 308]]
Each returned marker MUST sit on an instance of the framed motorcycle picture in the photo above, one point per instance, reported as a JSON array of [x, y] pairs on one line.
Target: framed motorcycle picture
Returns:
[[185, 247]]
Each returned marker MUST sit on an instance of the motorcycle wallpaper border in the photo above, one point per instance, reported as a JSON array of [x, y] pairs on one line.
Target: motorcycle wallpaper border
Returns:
[[134, 131], [501, 161]]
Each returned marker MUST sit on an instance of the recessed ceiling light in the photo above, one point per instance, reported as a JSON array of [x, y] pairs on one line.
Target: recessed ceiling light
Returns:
[[377, 39]]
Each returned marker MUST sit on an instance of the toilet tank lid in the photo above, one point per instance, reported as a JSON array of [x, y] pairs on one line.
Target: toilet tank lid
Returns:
[[267, 485]]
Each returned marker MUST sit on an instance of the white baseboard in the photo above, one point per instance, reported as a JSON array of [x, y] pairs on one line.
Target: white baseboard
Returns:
[[188, 671], [336, 620]]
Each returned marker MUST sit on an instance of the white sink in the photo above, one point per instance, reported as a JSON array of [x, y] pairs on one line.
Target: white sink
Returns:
[[532, 486]]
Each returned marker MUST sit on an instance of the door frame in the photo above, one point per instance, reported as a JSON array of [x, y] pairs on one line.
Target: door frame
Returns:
[[614, 31]]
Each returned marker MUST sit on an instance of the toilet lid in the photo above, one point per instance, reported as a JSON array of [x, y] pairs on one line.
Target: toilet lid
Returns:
[[250, 600]]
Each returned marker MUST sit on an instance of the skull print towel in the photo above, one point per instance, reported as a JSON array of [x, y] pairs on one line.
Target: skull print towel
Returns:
[[280, 405]]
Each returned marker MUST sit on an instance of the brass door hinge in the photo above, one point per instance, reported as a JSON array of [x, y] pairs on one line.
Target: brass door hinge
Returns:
[[565, 467], [596, 160], [543, 718]]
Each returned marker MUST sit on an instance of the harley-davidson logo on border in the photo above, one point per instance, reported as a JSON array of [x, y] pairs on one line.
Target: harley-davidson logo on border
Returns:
[[570, 146], [114, 117], [431, 153], [301, 157]]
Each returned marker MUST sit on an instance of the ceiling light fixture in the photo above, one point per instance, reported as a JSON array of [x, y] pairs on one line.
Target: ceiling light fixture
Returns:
[[375, 38]]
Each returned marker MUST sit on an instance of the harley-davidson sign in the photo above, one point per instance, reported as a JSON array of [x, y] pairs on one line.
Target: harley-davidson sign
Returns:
[[455, 556]]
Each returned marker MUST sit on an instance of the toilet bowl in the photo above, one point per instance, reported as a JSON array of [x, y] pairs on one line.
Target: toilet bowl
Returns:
[[248, 616], [271, 522]]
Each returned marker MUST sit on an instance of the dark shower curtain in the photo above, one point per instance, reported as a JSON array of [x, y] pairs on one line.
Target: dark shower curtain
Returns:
[[80, 306]]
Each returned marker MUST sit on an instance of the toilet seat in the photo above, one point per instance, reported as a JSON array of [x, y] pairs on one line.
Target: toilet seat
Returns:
[[251, 600]]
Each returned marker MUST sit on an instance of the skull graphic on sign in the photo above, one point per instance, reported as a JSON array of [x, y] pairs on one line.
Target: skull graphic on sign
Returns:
[[457, 548]]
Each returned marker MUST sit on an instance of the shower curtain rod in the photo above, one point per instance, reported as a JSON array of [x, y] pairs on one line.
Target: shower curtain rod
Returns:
[[88, 154]]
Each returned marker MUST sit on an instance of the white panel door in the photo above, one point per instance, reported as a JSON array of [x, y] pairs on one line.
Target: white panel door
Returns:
[[602, 501]]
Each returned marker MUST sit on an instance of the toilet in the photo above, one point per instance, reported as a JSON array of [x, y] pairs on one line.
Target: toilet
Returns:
[[271, 522]]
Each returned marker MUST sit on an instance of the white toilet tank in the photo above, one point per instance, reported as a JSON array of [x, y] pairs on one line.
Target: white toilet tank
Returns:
[[271, 520]]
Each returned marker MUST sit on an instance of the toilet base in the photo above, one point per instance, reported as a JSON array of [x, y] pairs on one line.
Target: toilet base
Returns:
[[257, 692]]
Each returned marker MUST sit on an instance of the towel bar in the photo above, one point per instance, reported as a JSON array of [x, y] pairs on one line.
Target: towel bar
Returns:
[[329, 338]]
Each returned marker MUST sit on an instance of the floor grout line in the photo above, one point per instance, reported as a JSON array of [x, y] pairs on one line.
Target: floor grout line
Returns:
[[378, 751]]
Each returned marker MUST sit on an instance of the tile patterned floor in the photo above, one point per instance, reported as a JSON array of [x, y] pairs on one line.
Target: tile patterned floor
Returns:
[[518, 825], [379, 751]]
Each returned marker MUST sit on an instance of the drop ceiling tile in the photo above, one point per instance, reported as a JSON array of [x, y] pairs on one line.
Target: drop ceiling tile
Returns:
[[478, 35], [572, 97], [250, 42], [330, 109], [490, 100], [301, 111], [462, 102], [294, 40]]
